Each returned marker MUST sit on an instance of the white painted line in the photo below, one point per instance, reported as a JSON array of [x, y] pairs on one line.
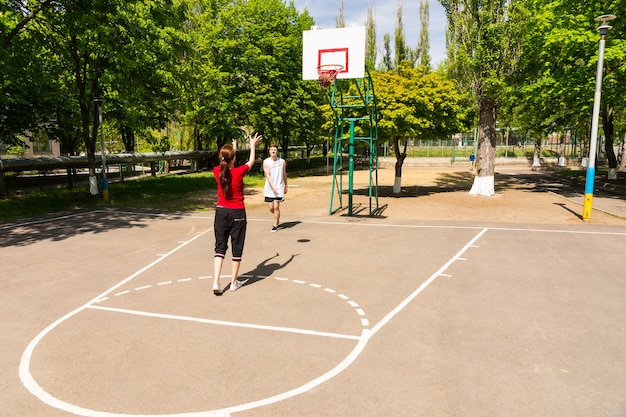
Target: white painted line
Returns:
[[445, 275], [414, 226], [315, 285], [24, 369], [360, 312], [51, 219], [227, 323], [353, 303], [297, 281], [205, 277], [345, 297], [143, 288], [164, 283], [281, 279], [365, 322], [425, 284], [330, 290], [184, 279], [122, 293], [309, 385]]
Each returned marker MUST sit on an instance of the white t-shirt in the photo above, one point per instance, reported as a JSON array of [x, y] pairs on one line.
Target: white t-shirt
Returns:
[[276, 169]]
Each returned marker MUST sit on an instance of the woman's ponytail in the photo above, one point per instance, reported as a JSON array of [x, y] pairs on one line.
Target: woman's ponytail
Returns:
[[226, 155]]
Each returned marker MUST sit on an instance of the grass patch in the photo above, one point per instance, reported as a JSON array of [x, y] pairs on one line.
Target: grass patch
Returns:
[[171, 193]]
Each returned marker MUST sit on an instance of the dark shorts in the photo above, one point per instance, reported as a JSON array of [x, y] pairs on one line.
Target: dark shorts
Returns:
[[230, 223], [272, 199]]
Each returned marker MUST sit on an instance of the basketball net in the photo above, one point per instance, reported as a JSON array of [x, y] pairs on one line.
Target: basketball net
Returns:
[[327, 74]]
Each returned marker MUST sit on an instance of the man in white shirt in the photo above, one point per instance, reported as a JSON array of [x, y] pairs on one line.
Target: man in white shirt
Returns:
[[275, 171]]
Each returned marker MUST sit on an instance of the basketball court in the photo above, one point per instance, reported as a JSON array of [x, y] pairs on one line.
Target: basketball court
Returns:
[[110, 313]]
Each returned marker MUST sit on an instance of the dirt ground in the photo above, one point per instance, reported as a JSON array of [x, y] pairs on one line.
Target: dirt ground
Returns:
[[435, 194]]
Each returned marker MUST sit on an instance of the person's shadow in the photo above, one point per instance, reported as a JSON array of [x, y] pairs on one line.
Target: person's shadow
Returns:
[[266, 269]]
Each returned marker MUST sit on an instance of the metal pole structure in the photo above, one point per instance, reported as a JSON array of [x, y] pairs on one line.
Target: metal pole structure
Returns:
[[105, 182], [591, 167], [350, 166]]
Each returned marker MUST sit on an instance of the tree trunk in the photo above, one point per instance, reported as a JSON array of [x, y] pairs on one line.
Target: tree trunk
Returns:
[[608, 128], [400, 157], [561, 160], [486, 152], [622, 154], [128, 139], [537, 153]]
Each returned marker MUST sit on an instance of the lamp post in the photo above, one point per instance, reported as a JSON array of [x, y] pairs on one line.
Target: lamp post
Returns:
[[105, 183], [591, 167]]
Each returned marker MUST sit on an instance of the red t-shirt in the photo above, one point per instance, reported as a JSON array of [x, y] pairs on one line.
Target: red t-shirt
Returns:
[[235, 198]]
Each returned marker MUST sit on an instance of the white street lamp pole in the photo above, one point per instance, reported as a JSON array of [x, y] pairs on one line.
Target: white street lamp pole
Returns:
[[591, 167]]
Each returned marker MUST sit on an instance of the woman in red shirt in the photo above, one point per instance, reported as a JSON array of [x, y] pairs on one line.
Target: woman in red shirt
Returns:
[[230, 212]]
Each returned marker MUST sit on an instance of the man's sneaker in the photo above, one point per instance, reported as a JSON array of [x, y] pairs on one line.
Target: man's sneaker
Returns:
[[216, 289], [274, 229], [236, 285]]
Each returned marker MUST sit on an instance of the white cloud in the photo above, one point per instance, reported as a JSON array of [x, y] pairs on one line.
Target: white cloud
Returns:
[[325, 12]]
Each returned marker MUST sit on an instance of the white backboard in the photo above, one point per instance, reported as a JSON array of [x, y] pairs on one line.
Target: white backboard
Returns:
[[342, 46]]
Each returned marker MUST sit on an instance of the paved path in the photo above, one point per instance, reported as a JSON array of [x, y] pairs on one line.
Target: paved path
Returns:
[[606, 197]]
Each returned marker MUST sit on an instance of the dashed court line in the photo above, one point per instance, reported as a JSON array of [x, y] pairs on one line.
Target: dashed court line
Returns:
[[359, 311]]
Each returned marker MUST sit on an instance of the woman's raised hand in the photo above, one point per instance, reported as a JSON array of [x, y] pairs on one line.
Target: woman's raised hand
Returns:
[[254, 139]]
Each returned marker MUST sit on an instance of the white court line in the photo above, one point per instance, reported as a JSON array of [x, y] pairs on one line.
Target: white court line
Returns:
[[366, 335], [24, 369], [68, 216], [425, 284], [490, 228], [227, 323], [337, 223]]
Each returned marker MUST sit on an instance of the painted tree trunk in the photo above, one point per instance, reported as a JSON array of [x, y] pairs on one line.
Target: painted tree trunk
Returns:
[[622, 154], [537, 153], [561, 161], [486, 152], [400, 156]]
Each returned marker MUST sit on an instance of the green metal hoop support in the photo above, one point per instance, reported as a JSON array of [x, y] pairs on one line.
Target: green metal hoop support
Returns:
[[356, 123]]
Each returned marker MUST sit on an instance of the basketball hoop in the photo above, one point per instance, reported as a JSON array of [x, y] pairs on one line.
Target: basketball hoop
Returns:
[[327, 74]]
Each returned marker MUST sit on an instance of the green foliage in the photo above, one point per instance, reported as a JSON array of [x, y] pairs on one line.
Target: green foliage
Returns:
[[415, 104], [249, 72], [556, 77]]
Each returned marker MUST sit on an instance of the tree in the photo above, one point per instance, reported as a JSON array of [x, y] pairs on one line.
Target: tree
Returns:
[[119, 50], [422, 54], [401, 52], [415, 105], [249, 71], [387, 63], [340, 22], [555, 81], [28, 77], [21, 24], [370, 47], [482, 51]]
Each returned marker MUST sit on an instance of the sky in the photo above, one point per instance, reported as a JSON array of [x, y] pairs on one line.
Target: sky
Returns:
[[325, 12]]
